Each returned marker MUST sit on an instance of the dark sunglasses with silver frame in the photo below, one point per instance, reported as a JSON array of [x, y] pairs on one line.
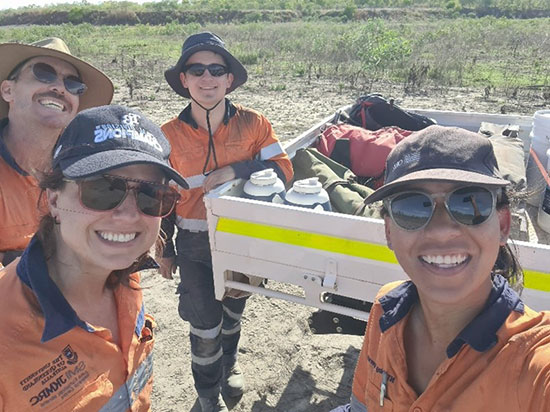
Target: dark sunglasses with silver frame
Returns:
[[45, 73], [198, 69], [470, 205], [107, 192]]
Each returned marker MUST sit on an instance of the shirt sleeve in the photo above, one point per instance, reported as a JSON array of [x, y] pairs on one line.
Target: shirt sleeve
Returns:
[[269, 154]]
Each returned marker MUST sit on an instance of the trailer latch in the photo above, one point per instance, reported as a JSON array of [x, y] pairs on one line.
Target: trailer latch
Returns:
[[331, 270]]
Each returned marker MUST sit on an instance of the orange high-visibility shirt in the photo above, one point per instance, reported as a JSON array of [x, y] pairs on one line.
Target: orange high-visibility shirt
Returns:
[[499, 362], [19, 193], [244, 135], [54, 361]]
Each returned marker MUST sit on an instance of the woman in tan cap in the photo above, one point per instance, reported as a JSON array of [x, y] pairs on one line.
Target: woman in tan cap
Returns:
[[43, 86], [457, 336]]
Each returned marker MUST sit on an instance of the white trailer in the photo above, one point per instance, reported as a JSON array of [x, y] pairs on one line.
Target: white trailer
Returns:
[[326, 252]]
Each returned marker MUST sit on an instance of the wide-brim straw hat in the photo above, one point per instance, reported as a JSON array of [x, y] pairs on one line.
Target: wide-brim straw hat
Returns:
[[199, 42], [100, 88]]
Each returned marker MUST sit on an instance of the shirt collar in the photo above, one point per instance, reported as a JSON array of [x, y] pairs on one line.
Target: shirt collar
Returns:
[[480, 333], [4, 153], [185, 115], [59, 316]]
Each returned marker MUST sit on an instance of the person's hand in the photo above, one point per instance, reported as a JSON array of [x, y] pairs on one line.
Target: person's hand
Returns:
[[242, 278], [236, 293], [167, 267], [218, 177]]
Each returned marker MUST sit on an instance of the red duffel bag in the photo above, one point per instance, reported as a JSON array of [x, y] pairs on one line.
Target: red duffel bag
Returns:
[[363, 151]]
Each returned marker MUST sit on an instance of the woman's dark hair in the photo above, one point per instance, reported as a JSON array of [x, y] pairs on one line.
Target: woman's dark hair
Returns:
[[54, 180], [507, 263]]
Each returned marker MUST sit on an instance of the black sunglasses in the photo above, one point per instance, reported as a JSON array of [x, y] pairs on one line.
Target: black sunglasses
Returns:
[[107, 192], [469, 206], [45, 73], [198, 69]]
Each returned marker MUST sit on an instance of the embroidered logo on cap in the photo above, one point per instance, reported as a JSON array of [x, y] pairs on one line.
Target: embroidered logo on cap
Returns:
[[406, 160], [128, 129]]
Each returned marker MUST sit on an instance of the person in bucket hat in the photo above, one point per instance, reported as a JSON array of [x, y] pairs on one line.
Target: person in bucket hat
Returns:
[[42, 87], [457, 333], [79, 337], [213, 141]]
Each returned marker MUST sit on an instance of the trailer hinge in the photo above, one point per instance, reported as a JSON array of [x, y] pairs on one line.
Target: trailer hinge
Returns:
[[331, 269]]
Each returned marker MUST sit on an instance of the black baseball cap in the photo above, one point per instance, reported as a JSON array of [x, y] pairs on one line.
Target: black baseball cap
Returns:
[[199, 42], [438, 153], [108, 137]]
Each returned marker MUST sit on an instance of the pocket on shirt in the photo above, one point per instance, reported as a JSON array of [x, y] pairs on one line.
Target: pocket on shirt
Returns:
[[238, 150], [187, 154], [373, 396], [89, 396]]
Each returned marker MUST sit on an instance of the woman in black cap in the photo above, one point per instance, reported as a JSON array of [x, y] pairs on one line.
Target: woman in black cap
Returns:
[[213, 141], [457, 336], [76, 336]]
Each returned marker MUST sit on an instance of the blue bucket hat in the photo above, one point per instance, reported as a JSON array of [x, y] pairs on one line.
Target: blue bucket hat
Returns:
[[199, 42]]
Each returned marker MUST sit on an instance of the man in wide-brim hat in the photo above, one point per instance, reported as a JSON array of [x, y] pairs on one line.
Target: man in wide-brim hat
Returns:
[[42, 86], [213, 141]]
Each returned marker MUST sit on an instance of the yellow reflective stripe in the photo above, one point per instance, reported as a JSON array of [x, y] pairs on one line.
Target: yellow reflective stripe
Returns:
[[532, 279], [307, 239], [536, 280]]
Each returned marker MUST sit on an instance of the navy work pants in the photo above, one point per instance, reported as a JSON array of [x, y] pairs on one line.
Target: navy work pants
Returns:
[[215, 326]]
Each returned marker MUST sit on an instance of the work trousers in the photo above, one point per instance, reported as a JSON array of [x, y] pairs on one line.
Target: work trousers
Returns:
[[215, 326]]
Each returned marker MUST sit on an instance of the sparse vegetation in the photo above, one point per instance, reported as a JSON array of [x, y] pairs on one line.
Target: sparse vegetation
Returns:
[[248, 11], [489, 53]]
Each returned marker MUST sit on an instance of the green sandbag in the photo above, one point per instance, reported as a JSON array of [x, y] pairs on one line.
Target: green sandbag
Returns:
[[346, 195], [509, 152]]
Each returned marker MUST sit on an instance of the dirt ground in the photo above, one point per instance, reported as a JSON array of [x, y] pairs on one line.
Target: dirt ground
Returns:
[[287, 368]]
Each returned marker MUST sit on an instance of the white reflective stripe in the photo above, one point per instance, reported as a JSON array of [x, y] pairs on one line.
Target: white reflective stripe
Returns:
[[236, 329], [274, 149], [206, 333], [206, 361], [194, 225], [232, 314], [195, 181], [125, 396]]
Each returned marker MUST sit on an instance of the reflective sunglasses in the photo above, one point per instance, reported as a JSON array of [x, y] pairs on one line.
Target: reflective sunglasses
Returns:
[[198, 69], [45, 73], [107, 192], [413, 210]]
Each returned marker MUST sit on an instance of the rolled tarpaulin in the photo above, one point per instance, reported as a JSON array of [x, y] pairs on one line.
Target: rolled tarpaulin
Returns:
[[346, 195]]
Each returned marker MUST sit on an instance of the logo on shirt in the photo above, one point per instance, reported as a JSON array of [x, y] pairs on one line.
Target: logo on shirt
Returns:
[[72, 357], [56, 379], [379, 370]]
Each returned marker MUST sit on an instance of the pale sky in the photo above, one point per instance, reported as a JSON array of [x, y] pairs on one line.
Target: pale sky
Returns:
[[13, 4]]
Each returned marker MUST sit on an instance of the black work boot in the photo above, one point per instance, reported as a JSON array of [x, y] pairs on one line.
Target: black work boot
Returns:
[[215, 404]]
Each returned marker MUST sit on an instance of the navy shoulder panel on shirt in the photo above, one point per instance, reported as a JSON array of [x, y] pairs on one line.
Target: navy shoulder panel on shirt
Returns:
[[5, 154]]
